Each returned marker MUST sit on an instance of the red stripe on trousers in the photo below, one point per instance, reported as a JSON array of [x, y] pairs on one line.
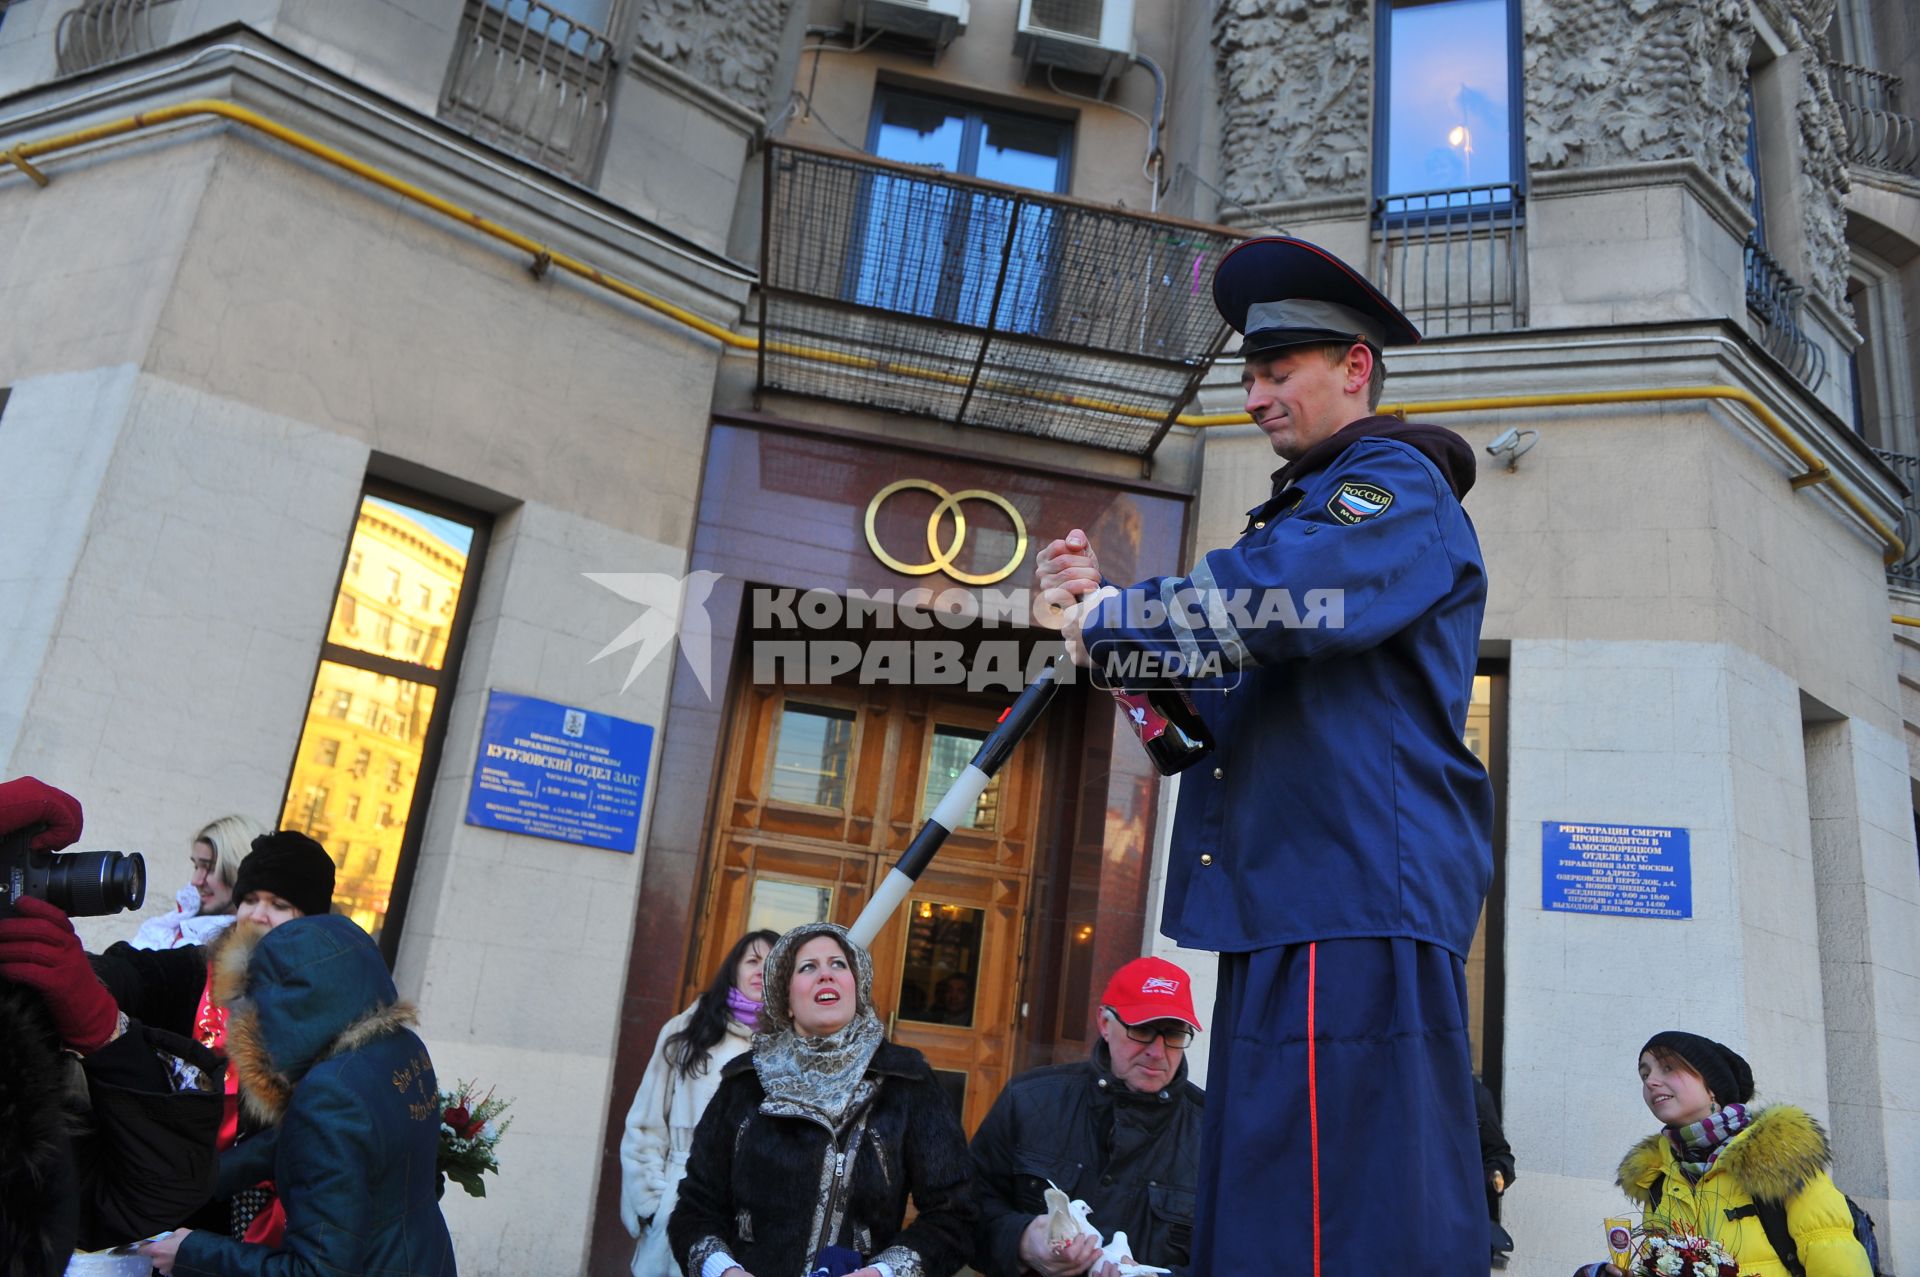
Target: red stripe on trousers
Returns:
[[1313, 1101]]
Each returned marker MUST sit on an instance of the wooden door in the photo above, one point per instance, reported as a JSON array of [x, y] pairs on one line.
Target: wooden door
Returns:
[[823, 788]]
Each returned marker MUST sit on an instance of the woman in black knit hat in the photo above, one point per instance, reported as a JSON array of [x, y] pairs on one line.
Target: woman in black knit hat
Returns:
[[287, 875], [1753, 1178]]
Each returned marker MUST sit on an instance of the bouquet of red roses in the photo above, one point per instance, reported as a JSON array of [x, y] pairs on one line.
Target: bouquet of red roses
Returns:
[[470, 1129]]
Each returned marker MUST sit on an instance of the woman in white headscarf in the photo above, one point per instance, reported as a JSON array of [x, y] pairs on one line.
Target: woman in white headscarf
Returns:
[[807, 1156]]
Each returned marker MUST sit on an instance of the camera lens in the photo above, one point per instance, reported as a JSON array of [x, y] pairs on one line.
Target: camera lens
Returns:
[[89, 884]]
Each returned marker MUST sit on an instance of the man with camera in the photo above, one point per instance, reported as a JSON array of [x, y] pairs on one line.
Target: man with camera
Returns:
[[107, 1125]]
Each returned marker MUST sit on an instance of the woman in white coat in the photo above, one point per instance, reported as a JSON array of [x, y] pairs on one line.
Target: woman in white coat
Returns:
[[681, 1077]]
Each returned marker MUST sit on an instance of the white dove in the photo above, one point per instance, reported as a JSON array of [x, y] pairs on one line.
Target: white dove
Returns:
[[1067, 1220]]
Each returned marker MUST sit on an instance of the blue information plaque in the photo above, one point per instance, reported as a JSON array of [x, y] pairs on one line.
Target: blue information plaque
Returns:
[[1638, 871], [552, 771]]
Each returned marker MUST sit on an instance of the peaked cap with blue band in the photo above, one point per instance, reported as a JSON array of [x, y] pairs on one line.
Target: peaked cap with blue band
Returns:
[[1279, 291]]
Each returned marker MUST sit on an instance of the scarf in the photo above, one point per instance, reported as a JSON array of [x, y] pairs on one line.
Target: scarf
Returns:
[[824, 1078], [743, 1008], [1696, 1146]]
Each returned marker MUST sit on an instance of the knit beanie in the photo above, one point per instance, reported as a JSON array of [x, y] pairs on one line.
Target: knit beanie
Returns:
[[291, 866], [1729, 1080]]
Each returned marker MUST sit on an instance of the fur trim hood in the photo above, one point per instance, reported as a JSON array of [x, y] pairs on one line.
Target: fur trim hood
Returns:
[[39, 1196], [306, 991], [1781, 1149]]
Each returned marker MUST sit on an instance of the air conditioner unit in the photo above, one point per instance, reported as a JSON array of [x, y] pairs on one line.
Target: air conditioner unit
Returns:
[[1094, 37], [931, 22]]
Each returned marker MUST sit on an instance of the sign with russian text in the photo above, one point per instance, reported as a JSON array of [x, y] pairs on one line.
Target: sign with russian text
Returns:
[[552, 771], [1636, 871]]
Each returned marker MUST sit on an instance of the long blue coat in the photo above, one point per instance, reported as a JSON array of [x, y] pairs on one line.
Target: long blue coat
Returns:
[[327, 1061]]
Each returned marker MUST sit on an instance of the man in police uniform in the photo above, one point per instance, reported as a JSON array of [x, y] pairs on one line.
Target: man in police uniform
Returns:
[[1336, 847]]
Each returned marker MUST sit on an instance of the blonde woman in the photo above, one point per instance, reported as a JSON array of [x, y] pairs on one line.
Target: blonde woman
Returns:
[[206, 903]]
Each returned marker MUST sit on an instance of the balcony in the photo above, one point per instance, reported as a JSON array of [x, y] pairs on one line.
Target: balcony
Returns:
[[1773, 304], [1878, 135], [987, 305], [534, 81], [1905, 573], [1454, 261], [96, 32]]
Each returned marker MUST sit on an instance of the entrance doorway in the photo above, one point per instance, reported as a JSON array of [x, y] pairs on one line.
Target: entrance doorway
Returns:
[[822, 789]]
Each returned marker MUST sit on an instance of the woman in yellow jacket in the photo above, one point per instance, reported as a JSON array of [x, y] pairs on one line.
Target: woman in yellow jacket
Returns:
[[1717, 1159]]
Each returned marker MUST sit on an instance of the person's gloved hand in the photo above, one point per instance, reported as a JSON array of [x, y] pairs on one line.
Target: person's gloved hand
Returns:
[[25, 801], [38, 949]]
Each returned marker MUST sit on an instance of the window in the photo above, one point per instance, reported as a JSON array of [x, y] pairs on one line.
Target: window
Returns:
[[927, 248], [813, 755], [1759, 205], [426, 598], [952, 749], [1486, 959], [1447, 119], [390, 701]]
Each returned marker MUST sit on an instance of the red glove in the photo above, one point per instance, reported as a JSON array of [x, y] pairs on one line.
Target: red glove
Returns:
[[39, 950], [26, 802]]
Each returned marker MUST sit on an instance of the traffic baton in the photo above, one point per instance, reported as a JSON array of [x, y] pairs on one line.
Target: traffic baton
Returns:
[[954, 808]]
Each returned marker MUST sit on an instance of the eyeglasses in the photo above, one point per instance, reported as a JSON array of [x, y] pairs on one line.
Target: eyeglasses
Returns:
[[1175, 1034]]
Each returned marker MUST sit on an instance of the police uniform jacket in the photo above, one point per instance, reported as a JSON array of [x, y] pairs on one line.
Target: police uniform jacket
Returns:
[[1344, 627]]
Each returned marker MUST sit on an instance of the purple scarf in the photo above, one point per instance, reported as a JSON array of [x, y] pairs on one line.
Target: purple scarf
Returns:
[[744, 1008], [1697, 1145]]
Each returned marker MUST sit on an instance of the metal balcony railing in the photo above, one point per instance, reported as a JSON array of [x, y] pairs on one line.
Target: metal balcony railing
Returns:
[[534, 81], [915, 290], [1906, 569], [1455, 261], [96, 32], [1773, 302], [1878, 135]]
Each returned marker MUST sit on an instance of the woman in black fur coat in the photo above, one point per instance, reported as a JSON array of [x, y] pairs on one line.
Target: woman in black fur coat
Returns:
[[809, 1151]]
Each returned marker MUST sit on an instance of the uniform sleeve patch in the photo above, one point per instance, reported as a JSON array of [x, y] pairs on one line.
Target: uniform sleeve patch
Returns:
[[1358, 502]]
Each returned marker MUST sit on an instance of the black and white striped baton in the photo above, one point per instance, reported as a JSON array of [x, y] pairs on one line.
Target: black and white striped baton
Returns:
[[954, 808]]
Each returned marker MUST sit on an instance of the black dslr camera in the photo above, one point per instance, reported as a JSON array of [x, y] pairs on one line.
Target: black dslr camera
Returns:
[[81, 884]]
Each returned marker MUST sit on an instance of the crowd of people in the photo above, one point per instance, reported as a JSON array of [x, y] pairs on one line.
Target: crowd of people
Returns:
[[253, 1087], [236, 1103]]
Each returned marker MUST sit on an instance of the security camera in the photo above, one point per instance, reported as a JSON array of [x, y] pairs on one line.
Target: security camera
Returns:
[[1512, 443]]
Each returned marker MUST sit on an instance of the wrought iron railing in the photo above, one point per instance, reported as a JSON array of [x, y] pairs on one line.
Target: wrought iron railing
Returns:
[[1455, 261], [532, 80], [1878, 135], [980, 303], [96, 32], [1773, 301], [1906, 569]]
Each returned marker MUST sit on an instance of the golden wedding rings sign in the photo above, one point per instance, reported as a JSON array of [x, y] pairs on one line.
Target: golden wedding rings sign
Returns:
[[942, 558]]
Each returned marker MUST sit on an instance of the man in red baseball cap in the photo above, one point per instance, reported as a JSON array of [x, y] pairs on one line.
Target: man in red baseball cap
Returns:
[[1120, 1131]]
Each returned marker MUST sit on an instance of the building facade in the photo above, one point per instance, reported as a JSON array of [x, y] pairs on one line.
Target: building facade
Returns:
[[373, 366]]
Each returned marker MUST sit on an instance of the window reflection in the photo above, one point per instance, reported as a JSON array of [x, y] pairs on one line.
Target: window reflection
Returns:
[[1448, 105], [403, 580], [781, 906], [331, 802], [953, 748], [813, 752], [942, 961], [929, 249], [358, 762]]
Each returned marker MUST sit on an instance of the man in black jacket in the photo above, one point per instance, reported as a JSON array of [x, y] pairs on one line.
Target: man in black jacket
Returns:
[[1120, 1131]]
